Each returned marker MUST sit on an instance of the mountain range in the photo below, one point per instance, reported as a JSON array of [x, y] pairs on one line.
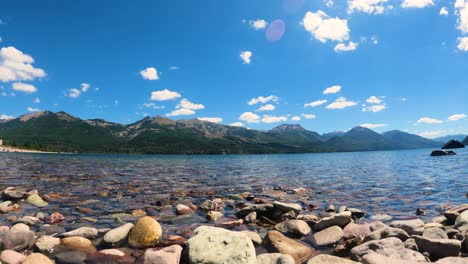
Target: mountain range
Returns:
[[445, 139], [62, 132]]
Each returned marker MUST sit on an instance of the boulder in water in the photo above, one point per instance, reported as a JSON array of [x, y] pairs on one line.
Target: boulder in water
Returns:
[[442, 153], [451, 144]]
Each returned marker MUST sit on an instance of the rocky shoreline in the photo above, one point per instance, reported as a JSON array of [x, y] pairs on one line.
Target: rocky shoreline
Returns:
[[240, 228]]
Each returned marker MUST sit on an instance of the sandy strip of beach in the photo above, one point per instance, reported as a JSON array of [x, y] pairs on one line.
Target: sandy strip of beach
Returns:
[[19, 150]]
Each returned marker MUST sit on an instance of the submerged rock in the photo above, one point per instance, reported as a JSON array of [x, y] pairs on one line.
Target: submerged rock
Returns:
[[279, 243], [36, 200], [86, 232], [218, 245]]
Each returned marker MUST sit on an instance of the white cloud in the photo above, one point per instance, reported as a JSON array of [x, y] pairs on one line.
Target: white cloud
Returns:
[[341, 103], [258, 24], [374, 40], [85, 87], [428, 120], [211, 119], [263, 100], [149, 73], [164, 95], [431, 134], [461, 7], [153, 105], [17, 66], [323, 28], [24, 87], [456, 117], [367, 6], [463, 44], [249, 117], [332, 90], [374, 100], [5, 117], [245, 56], [329, 3], [237, 124], [273, 119], [31, 109], [416, 3], [315, 103], [341, 47], [181, 111], [370, 126], [184, 103], [174, 68], [73, 93], [373, 108], [309, 116], [296, 118], [37, 100], [268, 107], [443, 11]]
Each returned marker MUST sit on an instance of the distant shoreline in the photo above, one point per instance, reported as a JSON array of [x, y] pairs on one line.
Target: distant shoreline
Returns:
[[8, 149]]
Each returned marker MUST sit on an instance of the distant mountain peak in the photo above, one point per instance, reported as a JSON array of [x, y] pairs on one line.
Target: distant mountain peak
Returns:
[[30, 116], [288, 127]]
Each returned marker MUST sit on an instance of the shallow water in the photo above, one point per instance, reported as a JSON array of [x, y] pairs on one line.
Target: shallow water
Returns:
[[391, 182]]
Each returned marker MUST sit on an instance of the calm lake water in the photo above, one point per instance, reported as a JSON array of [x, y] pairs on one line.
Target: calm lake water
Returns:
[[390, 182]]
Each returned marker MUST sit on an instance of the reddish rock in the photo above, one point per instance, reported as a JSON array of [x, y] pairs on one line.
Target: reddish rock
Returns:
[[56, 218], [183, 209]]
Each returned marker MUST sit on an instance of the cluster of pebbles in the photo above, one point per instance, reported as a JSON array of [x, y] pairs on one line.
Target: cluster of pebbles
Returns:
[[239, 228]]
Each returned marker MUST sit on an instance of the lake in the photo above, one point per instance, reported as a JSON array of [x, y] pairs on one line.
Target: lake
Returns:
[[385, 182]]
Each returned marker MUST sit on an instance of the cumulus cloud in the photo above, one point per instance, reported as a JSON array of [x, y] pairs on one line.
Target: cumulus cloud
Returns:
[[268, 107], [180, 112], [456, 117], [461, 7], [296, 118], [258, 24], [343, 47], [237, 124], [37, 100], [341, 103], [463, 44], [6, 117], [443, 11], [373, 108], [149, 73], [73, 93], [24, 87], [332, 90], [309, 116], [416, 3], [431, 134], [273, 119], [85, 87], [375, 7], [323, 28], [184, 103], [370, 126], [164, 95], [249, 117], [211, 119], [263, 100], [31, 109], [428, 120], [245, 56], [315, 103], [374, 100], [17, 66]]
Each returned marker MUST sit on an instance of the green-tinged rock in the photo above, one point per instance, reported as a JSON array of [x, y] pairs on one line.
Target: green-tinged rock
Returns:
[[36, 200], [146, 233]]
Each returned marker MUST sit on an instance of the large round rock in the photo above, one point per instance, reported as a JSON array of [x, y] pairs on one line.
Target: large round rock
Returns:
[[146, 233], [218, 245]]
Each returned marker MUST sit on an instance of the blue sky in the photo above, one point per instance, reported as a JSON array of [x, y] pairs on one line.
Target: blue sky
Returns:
[[327, 65]]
